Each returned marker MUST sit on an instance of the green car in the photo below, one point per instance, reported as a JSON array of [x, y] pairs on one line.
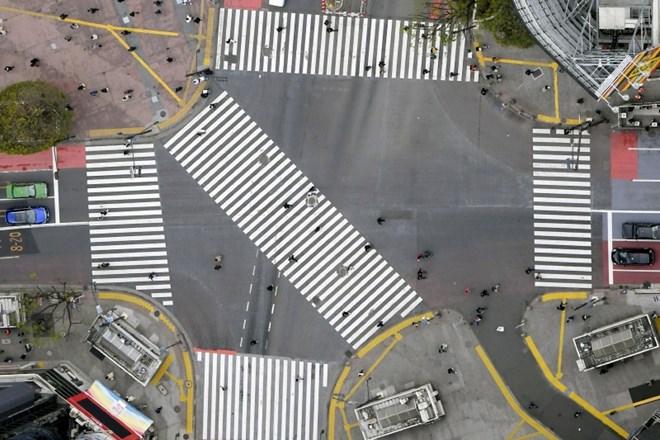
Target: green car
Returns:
[[27, 190]]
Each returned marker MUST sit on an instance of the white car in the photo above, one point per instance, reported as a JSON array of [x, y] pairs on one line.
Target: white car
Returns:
[[278, 3]]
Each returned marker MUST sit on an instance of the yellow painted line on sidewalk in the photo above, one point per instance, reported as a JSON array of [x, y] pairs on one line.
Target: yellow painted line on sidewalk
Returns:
[[526, 436], [179, 382], [630, 405], [560, 352], [107, 132], [146, 66], [573, 121], [396, 339], [336, 404], [209, 37], [594, 412], [163, 368], [190, 395], [126, 298], [544, 367], [183, 111], [563, 295], [347, 426], [509, 397], [515, 429]]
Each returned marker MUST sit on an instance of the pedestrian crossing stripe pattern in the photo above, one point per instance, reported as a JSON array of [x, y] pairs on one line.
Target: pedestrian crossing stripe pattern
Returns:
[[252, 180], [283, 42], [130, 237], [562, 208], [260, 397]]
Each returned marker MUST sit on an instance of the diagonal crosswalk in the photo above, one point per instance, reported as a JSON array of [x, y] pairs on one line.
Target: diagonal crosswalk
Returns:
[[279, 209], [562, 208], [260, 397], [125, 217], [283, 42]]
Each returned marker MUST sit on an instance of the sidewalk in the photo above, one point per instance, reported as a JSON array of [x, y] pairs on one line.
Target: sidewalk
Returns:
[[172, 387], [476, 401]]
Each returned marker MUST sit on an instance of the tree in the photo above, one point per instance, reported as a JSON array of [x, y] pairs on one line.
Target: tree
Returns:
[[59, 303], [501, 19], [33, 116]]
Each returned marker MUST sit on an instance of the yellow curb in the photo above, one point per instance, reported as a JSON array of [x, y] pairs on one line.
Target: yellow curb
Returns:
[[544, 367], [126, 298], [391, 331], [548, 119], [573, 121], [190, 395], [108, 132], [183, 111], [509, 397], [563, 295], [631, 405]]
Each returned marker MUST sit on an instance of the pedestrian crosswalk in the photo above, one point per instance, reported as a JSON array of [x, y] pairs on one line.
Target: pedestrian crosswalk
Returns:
[[125, 217], [291, 222], [261, 398], [562, 208], [311, 44]]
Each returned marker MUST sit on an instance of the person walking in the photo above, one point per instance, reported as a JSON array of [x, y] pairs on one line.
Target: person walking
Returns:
[[158, 410], [151, 276], [9, 68], [293, 259], [380, 220]]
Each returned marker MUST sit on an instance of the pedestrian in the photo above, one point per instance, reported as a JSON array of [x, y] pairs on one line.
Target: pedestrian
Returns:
[[443, 348], [188, 18], [9, 68], [380, 220], [381, 63], [223, 388], [128, 91], [529, 270], [67, 38], [158, 12], [298, 378], [345, 314], [380, 324], [34, 62], [169, 59], [494, 69], [452, 74], [317, 229], [125, 32], [93, 10], [103, 265], [151, 276], [585, 317], [484, 293], [133, 13], [229, 41], [110, 376], [127, 97], [361, 373], [498, 77], [420, 275], [132, 49], [484, 91], [23, 356], [481, 309], [217, 267], [105, 90], [253, 342], [270, 288], [329, 29], [561, 306], [528, 72], [577, 414], [367, 68], [580, 101], [293, 259], [451, 371], [279, 29], [201, 132], [103, 213], [532, 405], [196, 20], [473, 67], [467, 290], [425, 71], [546, 88], [158, 410], [63, 16], [178, 89], [495, 59], [489, 76], [570, 319], [603, 371], [538, 276], [368, 247], [326, 22], [495, 288], [213, 105], [158, 3]]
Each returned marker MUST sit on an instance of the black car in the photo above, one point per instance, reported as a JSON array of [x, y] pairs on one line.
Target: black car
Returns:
[[641, 231], [640, 257]]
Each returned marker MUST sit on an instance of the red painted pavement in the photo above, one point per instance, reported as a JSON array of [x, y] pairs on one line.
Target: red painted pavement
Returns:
[[632, 274], [67, 157], [623, 160], [243, 4]]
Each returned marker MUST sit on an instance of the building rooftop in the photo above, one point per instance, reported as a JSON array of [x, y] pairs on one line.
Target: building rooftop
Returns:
[[615, 342]]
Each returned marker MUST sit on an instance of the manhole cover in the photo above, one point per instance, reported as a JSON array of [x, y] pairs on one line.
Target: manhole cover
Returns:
[[263, 159], [177, 409], [163, 113], [157, 313], [312, 200]]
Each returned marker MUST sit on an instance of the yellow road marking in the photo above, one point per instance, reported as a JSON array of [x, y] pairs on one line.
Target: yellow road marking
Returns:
[[563, 295], [631, 405], [127, 298], [347, 425], [396, 339], [573, 121], [509, 398], [184, 110], [516, 429], [106, 132], [544, 367], [526, 436], [594, 412], [209, 37], [562, 327], [179, 382], [163, 368], [190, 397], [390, 332], [334, 403]]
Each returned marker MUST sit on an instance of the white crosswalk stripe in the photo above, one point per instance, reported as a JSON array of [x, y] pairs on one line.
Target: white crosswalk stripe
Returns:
[[252, 180], [562, 208], [129, 236], [265, 41], [261, 397]]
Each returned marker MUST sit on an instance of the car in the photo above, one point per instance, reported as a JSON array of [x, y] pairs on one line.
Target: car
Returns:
[[35, 215], [37, 190], [276, 3], [633, 257], [641, 231]]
